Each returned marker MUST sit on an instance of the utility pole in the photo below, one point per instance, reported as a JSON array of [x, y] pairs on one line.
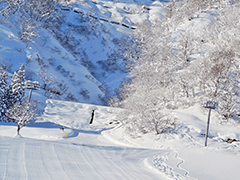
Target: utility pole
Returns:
[[210, 105]]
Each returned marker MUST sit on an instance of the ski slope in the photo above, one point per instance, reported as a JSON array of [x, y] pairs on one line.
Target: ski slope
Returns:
[[104, 151], [23, 158], [43, 151]]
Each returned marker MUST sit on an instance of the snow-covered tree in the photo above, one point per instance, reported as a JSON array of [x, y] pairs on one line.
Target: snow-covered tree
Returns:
[[20, 109], [28, 31], [219, 80], [40, 10], [17, 83], [177, 67], [4, 88], [11, 94], [8, 7], [22, 114]]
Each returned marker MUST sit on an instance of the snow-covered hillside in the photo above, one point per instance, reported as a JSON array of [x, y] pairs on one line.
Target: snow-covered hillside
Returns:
[[101, 49], [102, 150], [50, 64], [80, 57]]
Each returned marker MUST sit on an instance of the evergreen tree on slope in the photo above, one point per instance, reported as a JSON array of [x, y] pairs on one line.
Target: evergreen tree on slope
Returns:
[[20, 110], [3, 94], [17, 83]]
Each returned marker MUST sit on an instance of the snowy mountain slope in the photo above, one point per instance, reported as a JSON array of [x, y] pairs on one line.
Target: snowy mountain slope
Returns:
[[103, 150], [50, 64], [89, 34], [97, 32]]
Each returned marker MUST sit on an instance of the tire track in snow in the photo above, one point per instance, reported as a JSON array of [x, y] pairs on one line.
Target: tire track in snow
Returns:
[[108, 161], [79, 161], [116, 163], [86, 154], [103, 163], [104, 155], [34, 161], [4, 151], [68, 162], [83, 163], [135, 158], [126, 165], [14, 166], [24, 160], [52, 165]]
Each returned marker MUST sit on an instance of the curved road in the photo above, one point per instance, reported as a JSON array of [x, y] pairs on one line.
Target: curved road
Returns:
[[24, 158]]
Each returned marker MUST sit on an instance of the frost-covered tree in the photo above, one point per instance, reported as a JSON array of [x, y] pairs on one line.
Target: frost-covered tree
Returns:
[[4, 88], [8, 7], [177, 67], [180, 10], [22, 114], [151, 85], [11, 93], [20, 110], [30, 13], [40, 10], [219, 80], [17, 83], [28, 31]]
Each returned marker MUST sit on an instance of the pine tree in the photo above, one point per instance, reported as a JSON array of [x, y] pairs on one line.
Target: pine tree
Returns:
[[3, 95], [17, 82], [20, 109]]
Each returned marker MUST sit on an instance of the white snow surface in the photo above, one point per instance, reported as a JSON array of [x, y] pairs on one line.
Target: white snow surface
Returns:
[[103, 150]]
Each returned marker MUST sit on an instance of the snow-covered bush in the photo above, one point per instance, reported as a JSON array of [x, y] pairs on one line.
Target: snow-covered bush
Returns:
[[151, 120]]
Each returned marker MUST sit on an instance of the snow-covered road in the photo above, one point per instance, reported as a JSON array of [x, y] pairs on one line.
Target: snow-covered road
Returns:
[[103, 150], [24, 158]]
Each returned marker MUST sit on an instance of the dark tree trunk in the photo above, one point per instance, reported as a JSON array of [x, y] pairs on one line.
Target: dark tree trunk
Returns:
[[18, 129]]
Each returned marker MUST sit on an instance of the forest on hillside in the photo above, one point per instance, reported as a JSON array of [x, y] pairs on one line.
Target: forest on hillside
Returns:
[[189, 57]]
